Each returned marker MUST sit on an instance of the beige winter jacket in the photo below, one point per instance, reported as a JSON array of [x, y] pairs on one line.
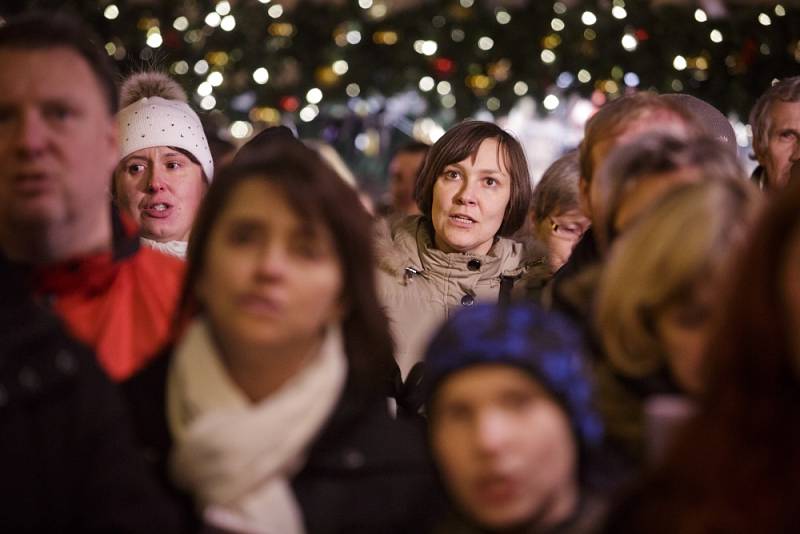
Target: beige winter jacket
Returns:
[[420, 285]]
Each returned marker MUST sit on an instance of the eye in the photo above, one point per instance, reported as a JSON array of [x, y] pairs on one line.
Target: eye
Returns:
[[306, 248], [135, 168], [491, 181], [451, 174], [455, 413], [242, 234], [516, 400], [172, 165], [6, 113], [58, 112]]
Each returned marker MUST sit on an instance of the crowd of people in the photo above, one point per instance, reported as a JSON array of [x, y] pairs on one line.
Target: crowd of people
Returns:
[[243, 343]]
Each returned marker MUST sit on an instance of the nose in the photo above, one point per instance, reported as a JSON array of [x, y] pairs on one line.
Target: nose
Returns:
[[155, 180], [492, 433], [32, 134], [272, 262], [466, 194]]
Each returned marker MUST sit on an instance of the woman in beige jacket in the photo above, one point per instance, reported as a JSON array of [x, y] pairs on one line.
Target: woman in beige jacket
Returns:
[[473, 192]]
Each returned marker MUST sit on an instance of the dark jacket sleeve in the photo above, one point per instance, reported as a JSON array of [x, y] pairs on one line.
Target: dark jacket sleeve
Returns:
[[68, 456]]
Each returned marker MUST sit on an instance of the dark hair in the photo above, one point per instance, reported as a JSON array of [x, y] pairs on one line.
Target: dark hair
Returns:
[[655, 153], [317, 195], [464, 140], [38, 30], [413, 147], [735, 467]]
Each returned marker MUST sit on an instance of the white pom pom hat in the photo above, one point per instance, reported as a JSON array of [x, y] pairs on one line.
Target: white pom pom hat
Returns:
[[155, 121]]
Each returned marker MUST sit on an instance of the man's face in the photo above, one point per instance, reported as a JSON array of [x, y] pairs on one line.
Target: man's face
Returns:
[[402, 178], [783, 143], [58, 142]]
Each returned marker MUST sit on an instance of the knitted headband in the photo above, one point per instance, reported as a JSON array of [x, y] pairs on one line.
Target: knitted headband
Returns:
[[522, 336]]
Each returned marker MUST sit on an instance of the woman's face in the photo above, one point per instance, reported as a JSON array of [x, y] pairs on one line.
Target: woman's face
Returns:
[[270, 280], [504, 447], [469, 201], [682, 328], [560, 232], [161, 188]]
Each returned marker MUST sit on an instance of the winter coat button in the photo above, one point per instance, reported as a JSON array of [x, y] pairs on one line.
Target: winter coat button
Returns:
[[65, 362], [474, 265], [467, 300], [29, 380], [353, 459]]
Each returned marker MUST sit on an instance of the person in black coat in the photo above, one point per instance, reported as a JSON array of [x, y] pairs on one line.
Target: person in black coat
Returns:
[[67, 454], [270, 413]]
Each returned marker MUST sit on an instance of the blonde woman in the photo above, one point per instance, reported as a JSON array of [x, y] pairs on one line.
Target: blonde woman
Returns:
[[655, 300]]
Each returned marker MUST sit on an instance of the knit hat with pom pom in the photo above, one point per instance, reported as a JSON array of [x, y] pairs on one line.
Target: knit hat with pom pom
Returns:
[[155, 113]]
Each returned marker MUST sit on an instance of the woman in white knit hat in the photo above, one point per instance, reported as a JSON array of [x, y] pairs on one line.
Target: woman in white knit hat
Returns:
[[166, 164]]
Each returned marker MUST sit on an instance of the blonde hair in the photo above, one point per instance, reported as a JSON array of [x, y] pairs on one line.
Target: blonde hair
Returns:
[[689, 234]]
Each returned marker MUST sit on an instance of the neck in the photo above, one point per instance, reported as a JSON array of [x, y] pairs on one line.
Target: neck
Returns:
[[261, 371], [47, 244]]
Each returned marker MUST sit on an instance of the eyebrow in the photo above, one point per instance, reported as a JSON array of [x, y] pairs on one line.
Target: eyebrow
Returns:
[[480, 171]]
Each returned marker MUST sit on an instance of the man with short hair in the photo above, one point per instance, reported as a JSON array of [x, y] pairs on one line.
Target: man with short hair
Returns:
[[58, 147], [615, 124], [775, 120], [403, 170]]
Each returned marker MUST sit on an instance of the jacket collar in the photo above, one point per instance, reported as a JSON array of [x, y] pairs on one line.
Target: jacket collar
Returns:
[[412, 246]]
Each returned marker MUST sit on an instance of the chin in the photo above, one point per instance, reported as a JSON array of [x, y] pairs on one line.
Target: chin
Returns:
[[503, 518]]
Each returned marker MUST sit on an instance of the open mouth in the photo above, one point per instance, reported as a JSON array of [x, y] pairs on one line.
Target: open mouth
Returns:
[[464, 220], [158, 210]]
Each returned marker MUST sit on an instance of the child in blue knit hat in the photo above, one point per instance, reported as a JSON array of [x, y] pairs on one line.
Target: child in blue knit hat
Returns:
[[511, 421]]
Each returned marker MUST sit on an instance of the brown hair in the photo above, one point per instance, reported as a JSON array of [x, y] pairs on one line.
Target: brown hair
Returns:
[[319, 196], [39, 30], [614, 118], [655, 153], [735, 466], [463, 140]]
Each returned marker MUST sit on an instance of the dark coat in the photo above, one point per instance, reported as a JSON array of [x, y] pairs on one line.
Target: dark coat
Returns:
[[67, 456], [365, 473]]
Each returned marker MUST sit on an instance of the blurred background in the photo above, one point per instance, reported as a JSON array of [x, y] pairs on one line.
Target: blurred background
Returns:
[[368, 75]]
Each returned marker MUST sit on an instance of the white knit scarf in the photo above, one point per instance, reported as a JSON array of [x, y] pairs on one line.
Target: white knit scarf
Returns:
[[171, 248], [237, 457]]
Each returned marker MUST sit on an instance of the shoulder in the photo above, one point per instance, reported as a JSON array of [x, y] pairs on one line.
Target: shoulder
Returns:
[[368, 472], [396, 243]]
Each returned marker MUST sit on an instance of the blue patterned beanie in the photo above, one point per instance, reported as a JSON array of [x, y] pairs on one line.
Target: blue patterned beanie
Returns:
[[527, 337]]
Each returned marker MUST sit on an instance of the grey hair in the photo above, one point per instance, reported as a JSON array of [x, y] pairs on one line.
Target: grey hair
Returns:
[[786, 90], [558, 188]]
